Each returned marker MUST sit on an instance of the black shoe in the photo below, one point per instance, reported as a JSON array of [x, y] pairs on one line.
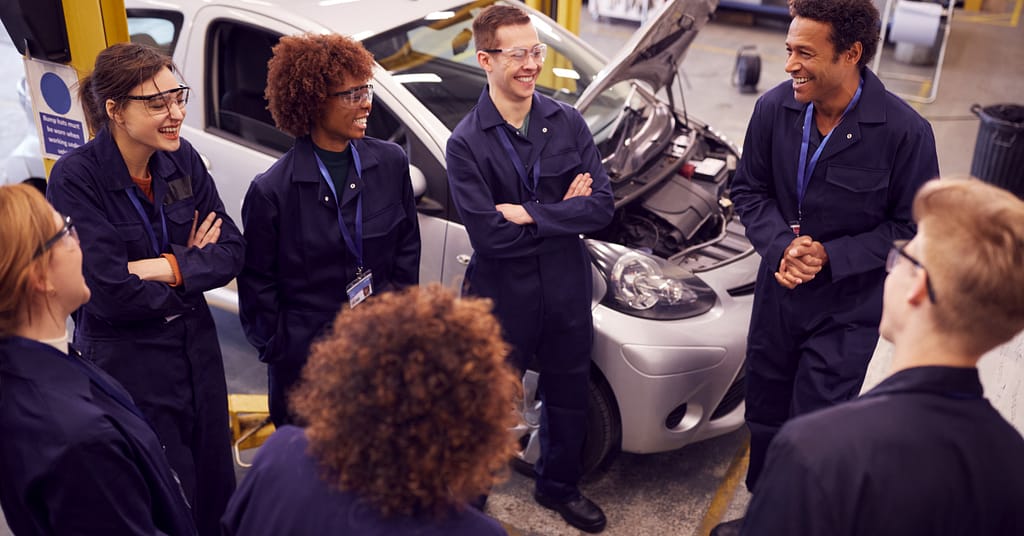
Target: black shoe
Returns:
[[578, 511], [728, 528]]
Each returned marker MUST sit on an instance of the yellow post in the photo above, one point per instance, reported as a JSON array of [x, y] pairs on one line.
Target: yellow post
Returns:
[[972, 5], [92, 26], [569, 14]]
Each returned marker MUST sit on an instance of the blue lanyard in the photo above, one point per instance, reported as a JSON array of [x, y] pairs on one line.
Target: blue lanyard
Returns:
[[531, 187], [355, 246], [158, 248], [805, 170]]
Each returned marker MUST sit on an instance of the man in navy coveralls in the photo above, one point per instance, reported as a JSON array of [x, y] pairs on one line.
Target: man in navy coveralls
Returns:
[[831, 162], [923, 452], [527, 180]]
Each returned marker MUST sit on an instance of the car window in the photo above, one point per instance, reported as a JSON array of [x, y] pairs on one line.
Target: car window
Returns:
[[435, 59], [383, 124], [156, 28], [237, 58]]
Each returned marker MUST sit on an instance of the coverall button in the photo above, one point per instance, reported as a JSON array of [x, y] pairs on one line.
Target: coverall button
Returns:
[[352, 186]]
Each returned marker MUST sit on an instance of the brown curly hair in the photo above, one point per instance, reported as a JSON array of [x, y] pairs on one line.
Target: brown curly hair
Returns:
[[302, 71], [409, 401]]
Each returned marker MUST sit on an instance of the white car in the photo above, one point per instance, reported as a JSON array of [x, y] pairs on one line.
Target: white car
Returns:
[[673, 273]]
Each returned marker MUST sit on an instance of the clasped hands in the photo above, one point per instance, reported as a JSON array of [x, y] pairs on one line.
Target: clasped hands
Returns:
[[802, 260], [580, 187]]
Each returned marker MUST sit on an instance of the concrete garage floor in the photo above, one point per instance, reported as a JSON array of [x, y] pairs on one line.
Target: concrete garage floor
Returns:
[[688, 491]]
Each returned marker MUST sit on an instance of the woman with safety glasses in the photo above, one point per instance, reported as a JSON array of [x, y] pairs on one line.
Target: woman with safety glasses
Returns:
[[76, 454], [330, 224], [154, 237]]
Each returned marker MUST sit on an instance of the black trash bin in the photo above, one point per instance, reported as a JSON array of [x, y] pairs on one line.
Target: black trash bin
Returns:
[[999, 149]]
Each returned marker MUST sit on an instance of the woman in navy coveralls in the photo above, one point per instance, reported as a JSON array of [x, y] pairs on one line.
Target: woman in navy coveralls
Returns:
[[408, 403], [334, 213], [155, 237], [76, 455]]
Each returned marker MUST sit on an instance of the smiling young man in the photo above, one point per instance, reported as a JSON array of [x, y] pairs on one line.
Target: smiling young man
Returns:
[[831, 162], [333, 221], [923, 452], [527, 180]]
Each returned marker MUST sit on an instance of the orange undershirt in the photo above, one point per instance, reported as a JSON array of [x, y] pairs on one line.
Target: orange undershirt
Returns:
[[146, 185]]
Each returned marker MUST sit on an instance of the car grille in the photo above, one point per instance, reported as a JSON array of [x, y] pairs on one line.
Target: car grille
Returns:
[[732, 398]]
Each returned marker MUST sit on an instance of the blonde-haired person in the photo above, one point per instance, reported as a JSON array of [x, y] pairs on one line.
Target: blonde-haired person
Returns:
[[923, 452], [76, 455], [155, 236], [408, 402]]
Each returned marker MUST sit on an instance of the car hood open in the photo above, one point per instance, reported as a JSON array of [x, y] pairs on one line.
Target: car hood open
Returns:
[[655, 52]]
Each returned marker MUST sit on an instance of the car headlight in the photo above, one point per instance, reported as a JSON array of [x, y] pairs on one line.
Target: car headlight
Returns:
[[649, 287]]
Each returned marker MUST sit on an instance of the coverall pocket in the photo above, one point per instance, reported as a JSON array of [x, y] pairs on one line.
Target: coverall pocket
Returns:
[[562, 165], [857, 179], [135, 238], [383, 221], [860, 194], [180, 216]]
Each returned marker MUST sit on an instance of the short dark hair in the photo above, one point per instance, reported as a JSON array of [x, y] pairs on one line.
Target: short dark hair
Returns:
[[486, 24], [119, 69], [301, 71], [851, 21]]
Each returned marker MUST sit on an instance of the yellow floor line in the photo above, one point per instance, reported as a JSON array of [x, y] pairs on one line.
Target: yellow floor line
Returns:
[[726, 490]]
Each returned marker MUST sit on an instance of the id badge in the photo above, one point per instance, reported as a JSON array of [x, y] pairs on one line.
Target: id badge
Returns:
[[359, 289], [795, 226]]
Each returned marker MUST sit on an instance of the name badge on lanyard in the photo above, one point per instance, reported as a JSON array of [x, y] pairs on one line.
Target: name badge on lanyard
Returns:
[[804, 168], [531, 186], [361, 287]]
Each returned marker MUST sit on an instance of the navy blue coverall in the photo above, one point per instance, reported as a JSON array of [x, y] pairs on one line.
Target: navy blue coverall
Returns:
[[538, 275], [809, 347], [921, 453], [75, 456], [284, 493], [297, 263], [159, 341]]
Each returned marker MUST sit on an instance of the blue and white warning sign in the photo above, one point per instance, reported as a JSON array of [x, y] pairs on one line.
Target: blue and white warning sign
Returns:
[[61, 121]]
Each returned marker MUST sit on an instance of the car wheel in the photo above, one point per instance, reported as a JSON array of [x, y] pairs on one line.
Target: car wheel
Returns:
[[603, 426]]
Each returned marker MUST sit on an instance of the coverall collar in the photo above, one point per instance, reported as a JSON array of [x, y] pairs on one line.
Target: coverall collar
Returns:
[[945, 381]]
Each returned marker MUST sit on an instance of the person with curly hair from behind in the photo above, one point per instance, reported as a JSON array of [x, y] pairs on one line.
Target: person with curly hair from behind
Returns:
[[333, 221], [408, 402]]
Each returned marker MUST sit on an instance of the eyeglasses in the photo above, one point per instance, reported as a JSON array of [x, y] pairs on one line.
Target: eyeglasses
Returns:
[[354, 98], [518, 54], [896, 252], [159, 104], [67, 230]]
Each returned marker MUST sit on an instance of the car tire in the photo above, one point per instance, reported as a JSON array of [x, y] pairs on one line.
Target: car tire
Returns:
[[603, 426]]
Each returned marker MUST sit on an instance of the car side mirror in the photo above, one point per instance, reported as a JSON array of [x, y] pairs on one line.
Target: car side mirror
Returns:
[[419, 181]]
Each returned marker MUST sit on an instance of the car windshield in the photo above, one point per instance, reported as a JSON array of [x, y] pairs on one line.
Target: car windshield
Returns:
[[434, 58]]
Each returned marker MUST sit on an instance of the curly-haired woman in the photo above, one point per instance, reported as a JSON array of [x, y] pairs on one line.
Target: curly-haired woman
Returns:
[[330, 223], [408, 402]]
